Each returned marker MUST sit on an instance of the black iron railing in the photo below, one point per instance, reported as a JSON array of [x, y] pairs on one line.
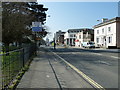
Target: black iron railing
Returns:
[[12, 62]]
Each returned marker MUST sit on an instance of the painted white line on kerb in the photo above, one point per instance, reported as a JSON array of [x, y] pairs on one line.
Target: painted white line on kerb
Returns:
[[92, 82]]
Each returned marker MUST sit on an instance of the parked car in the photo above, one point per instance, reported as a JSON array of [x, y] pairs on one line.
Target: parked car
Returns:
[[88, 44]]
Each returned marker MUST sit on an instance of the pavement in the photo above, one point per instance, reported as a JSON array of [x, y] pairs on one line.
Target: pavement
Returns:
[[48, 71]]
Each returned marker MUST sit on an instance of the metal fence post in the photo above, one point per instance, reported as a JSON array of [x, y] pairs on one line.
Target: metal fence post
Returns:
[[9, 63]]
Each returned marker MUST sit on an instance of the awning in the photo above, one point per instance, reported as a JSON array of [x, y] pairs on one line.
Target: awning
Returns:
[[76, 40]]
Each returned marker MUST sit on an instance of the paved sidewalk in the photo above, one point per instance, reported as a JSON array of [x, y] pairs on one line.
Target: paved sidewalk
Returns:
[[41, 75]]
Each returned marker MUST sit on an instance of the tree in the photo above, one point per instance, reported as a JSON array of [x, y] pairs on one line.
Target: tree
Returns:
[[13, 22], [17, 18]]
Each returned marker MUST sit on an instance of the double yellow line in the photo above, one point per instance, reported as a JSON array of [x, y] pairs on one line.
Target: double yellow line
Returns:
[[92, 82]]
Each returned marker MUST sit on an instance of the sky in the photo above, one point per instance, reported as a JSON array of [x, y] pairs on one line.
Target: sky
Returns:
[[75, 15]]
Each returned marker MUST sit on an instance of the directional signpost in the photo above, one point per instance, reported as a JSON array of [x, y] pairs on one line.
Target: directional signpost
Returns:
[[36, 27]]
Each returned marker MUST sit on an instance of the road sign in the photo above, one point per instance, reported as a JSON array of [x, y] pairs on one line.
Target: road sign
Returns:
[[36, 24], [36, 29]]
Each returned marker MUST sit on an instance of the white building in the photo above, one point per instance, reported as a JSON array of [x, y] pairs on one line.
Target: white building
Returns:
[[85, 35], [74, 37], [107, 33], [70, 36]]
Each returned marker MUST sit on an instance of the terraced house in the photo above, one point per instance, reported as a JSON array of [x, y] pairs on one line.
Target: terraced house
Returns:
[[107, 33]]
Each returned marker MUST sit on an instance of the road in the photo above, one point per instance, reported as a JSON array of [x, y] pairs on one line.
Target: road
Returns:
[[99, 65]]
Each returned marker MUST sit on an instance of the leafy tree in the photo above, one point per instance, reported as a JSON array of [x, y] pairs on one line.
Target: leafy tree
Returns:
[[17, 18]]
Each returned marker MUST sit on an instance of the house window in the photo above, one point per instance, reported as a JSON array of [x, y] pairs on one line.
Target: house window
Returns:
[[109, 39], [103, 30], [109, 29], [74, 35], [79, 36], [97, 31], [97, 40], [71, 35]]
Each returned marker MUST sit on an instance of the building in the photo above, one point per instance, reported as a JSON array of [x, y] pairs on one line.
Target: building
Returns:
[[70, 36], [85, 35], [73, 36], [59, 37], [107, 33]]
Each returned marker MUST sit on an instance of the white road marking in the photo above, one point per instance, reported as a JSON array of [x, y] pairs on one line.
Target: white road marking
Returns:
[[74, 53], [47, 76], [114, 57], [96, 53], [103, 62]]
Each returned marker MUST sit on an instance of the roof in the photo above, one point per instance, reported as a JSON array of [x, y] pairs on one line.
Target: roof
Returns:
[[116, 19], [59, 32], [78, 30]]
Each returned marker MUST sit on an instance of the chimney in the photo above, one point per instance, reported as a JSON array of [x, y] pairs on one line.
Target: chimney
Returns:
[[104, 20]]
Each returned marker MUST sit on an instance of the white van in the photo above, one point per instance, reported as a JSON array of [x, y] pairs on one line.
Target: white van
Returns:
[[88, 44]]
